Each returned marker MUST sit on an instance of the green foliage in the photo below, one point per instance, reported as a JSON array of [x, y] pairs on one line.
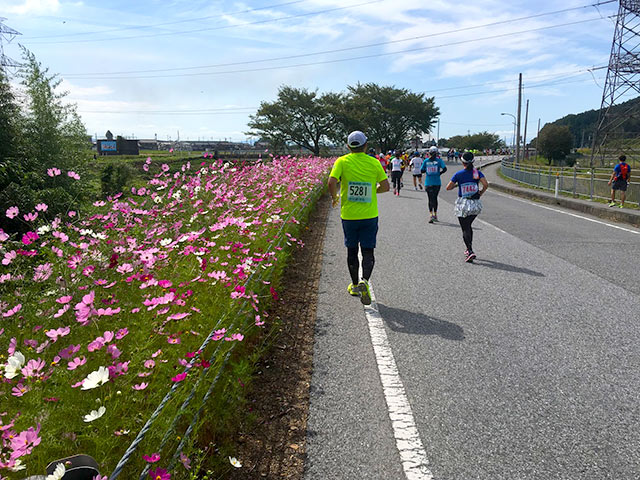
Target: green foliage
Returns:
[[46, 133], [297, 116], [114, 177], [555, 142], [476, 141], [389, 116]]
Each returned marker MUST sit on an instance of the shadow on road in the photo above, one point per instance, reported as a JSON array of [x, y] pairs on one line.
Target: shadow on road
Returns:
[[418, 324], [506, 267]]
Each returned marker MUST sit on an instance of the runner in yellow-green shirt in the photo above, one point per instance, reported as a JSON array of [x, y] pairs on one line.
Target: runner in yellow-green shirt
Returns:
[[361, 179]]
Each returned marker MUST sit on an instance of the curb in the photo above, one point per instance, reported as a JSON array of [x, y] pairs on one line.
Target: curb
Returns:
[[595, 210]]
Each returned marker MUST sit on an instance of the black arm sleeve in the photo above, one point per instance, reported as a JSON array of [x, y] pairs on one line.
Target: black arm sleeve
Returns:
[[443, 170]]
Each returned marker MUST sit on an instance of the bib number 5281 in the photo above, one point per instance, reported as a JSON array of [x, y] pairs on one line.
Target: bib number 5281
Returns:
[[359, 192]]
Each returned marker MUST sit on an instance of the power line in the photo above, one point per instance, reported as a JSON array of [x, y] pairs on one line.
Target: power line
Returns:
[[208, 29], [340, 50], [143, 27], [340, 60]]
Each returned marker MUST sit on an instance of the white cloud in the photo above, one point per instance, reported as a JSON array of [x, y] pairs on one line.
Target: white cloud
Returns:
[[31, 7]]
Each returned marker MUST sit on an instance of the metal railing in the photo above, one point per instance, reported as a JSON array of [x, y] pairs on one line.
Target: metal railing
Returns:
[[591, 183]]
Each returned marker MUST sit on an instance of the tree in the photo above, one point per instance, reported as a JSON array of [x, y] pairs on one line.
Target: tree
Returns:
[[389, 116], [555, 142], [298, 116], [51, 135], [476, 141]]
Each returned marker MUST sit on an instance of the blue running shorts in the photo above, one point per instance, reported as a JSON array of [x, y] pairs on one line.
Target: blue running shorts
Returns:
[[360, 232]]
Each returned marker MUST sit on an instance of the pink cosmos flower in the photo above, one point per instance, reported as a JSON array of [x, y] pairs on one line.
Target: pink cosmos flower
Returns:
[[61, 311], [23, 443], [72, 213], [12, 212], [30, 217], [120, 334], [160, 473], [3, 236], [140, 386], [125, 268], [153, 458], [33, 368], [113, 351], [173, 340], [29, 238], [57, 333], [185, 461], [42, 272], [68, 352], [180, 377], [149, 364], [9, 257], [76, 362], [19, 390], [156, 353], [73, 175], [65, 299], [42, 207], [53, 172]]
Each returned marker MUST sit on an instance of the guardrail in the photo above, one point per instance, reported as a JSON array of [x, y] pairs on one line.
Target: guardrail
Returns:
[[575, 181]]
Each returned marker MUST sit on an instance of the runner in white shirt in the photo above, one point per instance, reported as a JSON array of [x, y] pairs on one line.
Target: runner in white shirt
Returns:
[[396, 174], [416, 164]]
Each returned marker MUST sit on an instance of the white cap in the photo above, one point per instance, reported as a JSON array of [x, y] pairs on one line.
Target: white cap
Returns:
[[433, 149], [356, 139]]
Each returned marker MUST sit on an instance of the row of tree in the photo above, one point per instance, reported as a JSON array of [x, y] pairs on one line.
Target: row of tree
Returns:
[[475, 141], [38, 131], [389, 116]]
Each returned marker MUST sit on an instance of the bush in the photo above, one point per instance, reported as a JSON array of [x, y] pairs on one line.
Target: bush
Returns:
[[114, 178]]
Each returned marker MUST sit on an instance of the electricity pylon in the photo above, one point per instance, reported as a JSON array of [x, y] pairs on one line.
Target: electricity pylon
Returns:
[[618, 127], [6, 34]]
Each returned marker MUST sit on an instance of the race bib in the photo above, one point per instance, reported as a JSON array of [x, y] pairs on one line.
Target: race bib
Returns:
[[432, 169], [359, 192], [469, 189]]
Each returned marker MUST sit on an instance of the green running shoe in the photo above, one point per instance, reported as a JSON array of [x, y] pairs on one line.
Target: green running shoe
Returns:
[[353, 290], [365, 292]]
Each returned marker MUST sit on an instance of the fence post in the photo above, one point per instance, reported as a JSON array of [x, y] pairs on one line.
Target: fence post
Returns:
[[561, 178], [591, 185], [575, 176], [549, 179], [557, 181], [539, 177]]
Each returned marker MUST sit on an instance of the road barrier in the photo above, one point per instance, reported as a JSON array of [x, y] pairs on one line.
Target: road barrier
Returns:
[[575, 181]]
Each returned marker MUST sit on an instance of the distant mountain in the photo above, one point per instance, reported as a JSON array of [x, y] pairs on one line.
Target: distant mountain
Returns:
[[583, 125]]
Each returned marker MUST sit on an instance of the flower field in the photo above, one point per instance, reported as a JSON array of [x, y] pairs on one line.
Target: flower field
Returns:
[[137, 324]]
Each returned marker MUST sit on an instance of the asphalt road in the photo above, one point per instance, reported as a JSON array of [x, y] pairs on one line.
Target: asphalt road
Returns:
[[523, 365]]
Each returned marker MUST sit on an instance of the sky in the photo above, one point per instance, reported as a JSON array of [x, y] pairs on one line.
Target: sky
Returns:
[[198, 69]]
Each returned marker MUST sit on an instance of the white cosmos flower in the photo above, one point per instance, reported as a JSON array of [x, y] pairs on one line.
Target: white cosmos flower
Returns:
[[18, 465], [14, 364], [95, 414], [235, 462], [58, 473], [95, 379], [165, 241]]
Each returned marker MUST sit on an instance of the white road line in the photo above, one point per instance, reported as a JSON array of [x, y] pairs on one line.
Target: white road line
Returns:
[[412, 453], [566, 213]]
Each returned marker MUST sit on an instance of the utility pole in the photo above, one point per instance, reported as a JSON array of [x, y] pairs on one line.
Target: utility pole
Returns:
[[438, 134], [524, 141], [518, 120]]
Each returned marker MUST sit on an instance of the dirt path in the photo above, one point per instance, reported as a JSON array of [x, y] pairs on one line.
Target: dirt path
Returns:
[[274, 446]]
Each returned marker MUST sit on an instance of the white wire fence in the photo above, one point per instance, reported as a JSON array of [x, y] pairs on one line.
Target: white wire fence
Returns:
[[589, 183]]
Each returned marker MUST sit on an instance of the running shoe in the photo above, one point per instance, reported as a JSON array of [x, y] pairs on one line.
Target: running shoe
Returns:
[[620, 206], [431, 219], [353, 290], [435, 217], [612, 204], [365, 292], [470, 257]]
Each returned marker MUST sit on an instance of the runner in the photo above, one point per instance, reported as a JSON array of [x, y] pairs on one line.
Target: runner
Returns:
[[468, 204], [397, 167], [620, 178], [434, 167], [416, 164], [361, 179]]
